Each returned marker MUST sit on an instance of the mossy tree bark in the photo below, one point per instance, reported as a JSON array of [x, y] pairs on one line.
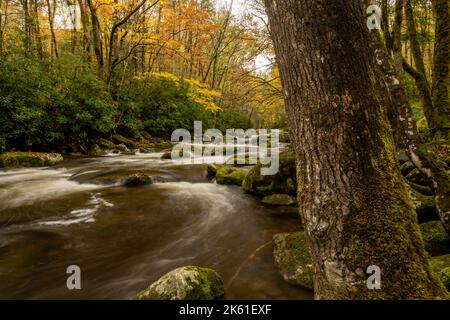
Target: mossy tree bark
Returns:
[[407, 137], [441, 70], [353, 199]]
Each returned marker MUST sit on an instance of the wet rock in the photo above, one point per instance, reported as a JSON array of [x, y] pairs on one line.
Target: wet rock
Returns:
[[118, 139], [186, 283], [230, 176], [290, 252], [167, 155], [437, 241], [123, 148], [425, 206], [211, 171], [96, 151], [284, 182], [138, 179], [29, 159], [279, 200], [106, 144], [441, 266]]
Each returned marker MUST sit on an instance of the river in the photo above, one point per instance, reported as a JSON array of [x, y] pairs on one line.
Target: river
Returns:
[[79, 213]]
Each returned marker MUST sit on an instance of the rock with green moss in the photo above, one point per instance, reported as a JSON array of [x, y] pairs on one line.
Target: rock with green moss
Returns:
[[96, 151], [230, 176], [441, 266], [292, 259], [138, 179], [186, 283], [29, 159], [106, 144], [118, 139], [425, 206], [211, 170], [284, 182], [123, 148], [437, 241], [279, 200]]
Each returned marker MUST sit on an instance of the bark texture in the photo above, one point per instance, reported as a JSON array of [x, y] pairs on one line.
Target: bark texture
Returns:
[[353, 199]]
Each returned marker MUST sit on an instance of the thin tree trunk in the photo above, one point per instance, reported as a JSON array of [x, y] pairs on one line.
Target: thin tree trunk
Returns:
[[51, 20], [96, 36], [353, 200], [419, 74], [441, 70]]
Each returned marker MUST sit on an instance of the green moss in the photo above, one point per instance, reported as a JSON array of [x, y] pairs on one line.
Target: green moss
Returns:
[[284, 182], [293, 260], [186, 283], [441, 265], [230, 176], [437, 241], [29, 159], [118, 139], [382, 230]]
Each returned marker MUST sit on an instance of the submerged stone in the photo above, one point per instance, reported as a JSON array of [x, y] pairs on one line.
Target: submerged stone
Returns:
[[29, 159], [185, 283], [292, 259], [138, 179]]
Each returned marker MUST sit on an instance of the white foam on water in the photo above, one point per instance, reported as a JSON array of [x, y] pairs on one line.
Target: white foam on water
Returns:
[[84, 215], [27, 186]]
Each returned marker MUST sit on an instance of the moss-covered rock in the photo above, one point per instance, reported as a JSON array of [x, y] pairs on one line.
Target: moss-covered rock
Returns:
[[118, 139], [279, 200], [284, 182], [29, 159], [96, 151], [441, 265], [230, 176], [211, 170], [425, 190], [425, 206], [292, 259], [138, 179], [437, 241], [106, 144], [167, 155], [186, 283], [123, 148]]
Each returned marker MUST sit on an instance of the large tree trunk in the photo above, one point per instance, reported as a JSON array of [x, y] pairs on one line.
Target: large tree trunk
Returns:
[[353, 199], [441, 70]]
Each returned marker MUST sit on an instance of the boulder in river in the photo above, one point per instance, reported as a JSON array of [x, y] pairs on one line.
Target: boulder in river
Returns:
[[230, 176], [29, 159], [441, 265], [279, 200], [284, 182], [123, 148], [118, 139], [96, 151], [437, 241], [292, 259], [138, 179], [106, 144], [185, 283]]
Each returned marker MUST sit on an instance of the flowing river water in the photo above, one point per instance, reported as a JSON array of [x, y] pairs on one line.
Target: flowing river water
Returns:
[[79, 213]]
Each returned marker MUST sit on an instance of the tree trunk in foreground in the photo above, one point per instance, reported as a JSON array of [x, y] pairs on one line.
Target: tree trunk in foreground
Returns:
[[353, 199]]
